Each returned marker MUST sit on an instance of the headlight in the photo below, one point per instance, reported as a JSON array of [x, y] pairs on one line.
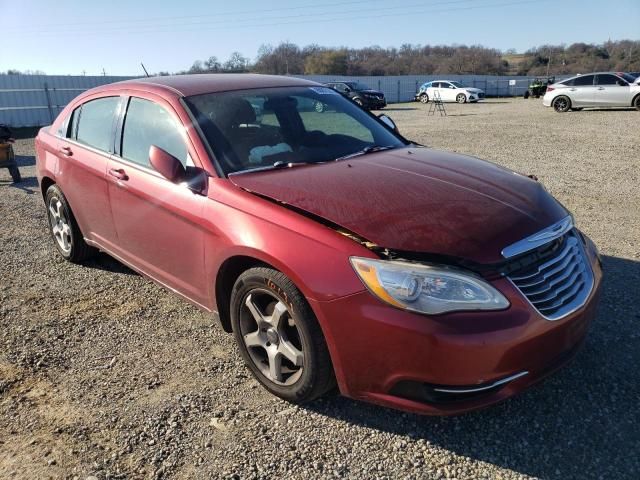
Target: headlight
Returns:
[[427, 289]]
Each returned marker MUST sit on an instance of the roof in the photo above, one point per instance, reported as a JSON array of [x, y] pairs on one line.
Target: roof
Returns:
[[196, 84]]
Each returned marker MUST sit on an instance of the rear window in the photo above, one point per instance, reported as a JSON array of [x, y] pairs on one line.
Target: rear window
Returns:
[[95, 123], [583, 81]]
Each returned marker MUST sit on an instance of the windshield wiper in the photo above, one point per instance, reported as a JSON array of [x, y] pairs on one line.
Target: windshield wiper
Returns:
[[366, 150]]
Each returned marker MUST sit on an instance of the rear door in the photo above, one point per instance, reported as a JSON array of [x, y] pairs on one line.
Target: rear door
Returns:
[[158, 222], [435, 91], [612, 91], [582, 91], [86, 145]]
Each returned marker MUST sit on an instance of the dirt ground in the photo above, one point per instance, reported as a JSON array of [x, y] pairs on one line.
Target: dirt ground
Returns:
[[104, 374]]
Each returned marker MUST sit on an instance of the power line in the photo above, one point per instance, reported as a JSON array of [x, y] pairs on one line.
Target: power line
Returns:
[[173, 18], [314, 19]]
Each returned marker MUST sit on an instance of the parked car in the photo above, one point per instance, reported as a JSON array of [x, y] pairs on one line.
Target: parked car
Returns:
[[602, 89], [361, 94], [337, 252], [449, 91]]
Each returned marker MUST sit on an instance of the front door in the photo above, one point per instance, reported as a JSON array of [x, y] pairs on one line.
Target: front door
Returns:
[[158, 222], [610, 92]]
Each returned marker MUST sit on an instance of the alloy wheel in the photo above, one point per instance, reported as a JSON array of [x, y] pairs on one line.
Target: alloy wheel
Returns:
[[271, 336], [60, 226], [561, 104]]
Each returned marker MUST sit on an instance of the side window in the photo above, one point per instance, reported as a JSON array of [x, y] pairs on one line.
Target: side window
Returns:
[[607, 80], [583, 81], [147, 123], [93, 125], [436, 84]]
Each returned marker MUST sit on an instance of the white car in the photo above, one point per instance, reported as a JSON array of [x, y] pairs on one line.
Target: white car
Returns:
[[449, 91], [603, 89]]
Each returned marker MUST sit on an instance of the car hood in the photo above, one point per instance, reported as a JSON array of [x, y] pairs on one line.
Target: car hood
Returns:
[[473, 90], [416, 200]]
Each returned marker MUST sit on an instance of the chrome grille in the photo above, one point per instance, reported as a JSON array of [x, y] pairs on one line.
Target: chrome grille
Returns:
[[560, 283]]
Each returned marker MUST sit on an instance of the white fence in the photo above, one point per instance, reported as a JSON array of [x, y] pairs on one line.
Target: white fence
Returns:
[[35, 100]]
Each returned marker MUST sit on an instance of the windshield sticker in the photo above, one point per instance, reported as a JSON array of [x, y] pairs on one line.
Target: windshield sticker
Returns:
[[324, 90]]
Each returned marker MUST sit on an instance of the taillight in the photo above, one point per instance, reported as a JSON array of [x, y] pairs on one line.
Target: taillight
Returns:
[[550, 89]]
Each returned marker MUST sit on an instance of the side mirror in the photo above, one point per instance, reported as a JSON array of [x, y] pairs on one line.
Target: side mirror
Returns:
[[622, 83], [388, 122], [166, 164]]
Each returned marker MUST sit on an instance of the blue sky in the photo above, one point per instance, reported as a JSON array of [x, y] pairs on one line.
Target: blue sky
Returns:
[[70, 36]]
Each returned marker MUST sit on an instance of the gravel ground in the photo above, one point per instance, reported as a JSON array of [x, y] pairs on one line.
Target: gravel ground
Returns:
[[104, 374]]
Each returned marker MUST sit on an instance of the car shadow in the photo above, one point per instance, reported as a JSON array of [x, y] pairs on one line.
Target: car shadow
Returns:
[[583, 422], [396, 109], [25, 160], [105, 262], [612, 109]]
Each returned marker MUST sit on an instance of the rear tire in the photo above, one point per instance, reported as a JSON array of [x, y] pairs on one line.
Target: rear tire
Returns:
[[15, 174], [272, 324], [359, 102], [461, 98], [319, 107], [64, 229], [561, 104]]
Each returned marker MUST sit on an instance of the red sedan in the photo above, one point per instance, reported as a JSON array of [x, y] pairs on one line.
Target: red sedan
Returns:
[[336, 251]]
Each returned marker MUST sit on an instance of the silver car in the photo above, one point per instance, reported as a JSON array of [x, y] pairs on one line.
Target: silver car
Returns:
[[602, 89]]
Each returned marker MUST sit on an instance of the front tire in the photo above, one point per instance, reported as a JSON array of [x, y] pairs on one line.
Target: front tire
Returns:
[[461, 98], [636, 102], [424, 98], [279, 337], [64, 228], [561, 104]]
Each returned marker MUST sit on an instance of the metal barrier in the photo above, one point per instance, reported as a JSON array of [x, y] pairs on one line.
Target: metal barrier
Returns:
[[35, 100]]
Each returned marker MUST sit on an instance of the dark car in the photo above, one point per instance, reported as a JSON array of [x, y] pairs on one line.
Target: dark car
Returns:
[[337, 252], [360, 94]]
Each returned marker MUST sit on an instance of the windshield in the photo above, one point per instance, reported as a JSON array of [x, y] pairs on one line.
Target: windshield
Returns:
[[252, 129], [627, 77], [357, 86], [457, 84]]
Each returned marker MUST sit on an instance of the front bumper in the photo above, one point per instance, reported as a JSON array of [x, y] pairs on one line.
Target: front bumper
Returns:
[[399, 359], [374, 103]]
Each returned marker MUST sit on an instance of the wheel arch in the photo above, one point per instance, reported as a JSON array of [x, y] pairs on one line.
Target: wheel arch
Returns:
[[45, 183], [226, 276]]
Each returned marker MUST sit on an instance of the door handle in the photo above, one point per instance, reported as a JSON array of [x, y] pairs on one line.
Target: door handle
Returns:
[[572, 89], [600, 88], [118, 173], [66, 151]]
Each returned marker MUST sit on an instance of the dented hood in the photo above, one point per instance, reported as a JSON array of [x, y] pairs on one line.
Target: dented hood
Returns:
[[416, 200]]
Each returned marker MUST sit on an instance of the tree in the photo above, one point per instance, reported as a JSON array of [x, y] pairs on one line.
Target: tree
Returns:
[[236, 63], [329, 62]]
